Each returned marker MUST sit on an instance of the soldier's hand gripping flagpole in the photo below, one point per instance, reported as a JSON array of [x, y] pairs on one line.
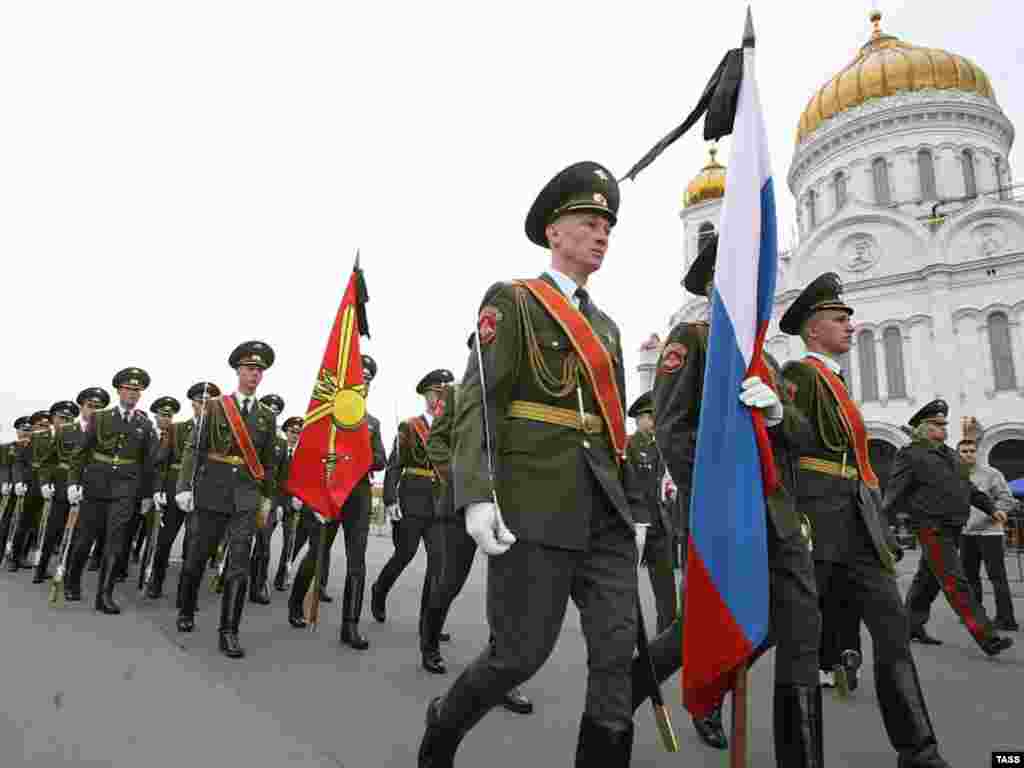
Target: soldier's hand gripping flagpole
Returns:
[[57, 584]]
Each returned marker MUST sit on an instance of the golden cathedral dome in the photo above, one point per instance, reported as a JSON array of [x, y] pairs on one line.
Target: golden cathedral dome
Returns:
[[709, 184], [885, 66]]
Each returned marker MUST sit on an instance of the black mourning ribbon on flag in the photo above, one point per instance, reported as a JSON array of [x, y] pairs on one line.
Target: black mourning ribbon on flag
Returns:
[[718, 100], [361, 298]]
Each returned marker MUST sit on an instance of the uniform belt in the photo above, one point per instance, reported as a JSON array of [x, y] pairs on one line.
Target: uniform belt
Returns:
[[236, 461], [827, 467], [37, 465], [117, 461], [65, 466], [419, 472], [550, 414], [175, 467]]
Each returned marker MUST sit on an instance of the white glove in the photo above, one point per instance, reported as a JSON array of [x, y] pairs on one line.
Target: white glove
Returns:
[[20, 489], [160, 499], [394, 512], [756, 394], [5, 489], [640, 530], [265, 505], [74, 494], [186, 502], [488, 530], [296, 503], [319, 518], [47, 491], [147, 504]]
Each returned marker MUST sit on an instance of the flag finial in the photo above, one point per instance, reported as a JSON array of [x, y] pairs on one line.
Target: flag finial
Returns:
[[748, 30], [357, 258]]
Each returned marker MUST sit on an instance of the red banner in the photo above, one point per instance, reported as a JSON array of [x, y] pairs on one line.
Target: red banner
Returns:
[[334, 450]]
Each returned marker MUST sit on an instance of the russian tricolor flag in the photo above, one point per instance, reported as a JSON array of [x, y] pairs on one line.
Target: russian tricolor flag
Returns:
[[727, 565]]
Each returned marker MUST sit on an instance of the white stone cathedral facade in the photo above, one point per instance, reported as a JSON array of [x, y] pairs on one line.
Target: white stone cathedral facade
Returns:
[[903, 187]]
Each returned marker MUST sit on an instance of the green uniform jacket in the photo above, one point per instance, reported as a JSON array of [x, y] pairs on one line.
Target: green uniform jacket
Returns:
[[545, 472], [409, 452], [171, 454], [228, 488], [56, 462], [822, 496], [678, 389], [439, 444], [642, 480], [5, 463], [110, 436]]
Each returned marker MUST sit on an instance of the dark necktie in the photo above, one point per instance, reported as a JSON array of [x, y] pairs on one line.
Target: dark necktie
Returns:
[[585, 307], [245, 409]]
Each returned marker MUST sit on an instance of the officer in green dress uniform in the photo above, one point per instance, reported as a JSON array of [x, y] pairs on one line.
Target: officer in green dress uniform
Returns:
[[235, 483], [287, 507], [795, 620], [838, 490], [23, 429], [27, 470], [644, 470], [164, 409], [355, 520], [54, 464], [929, 479], [259, 565], [552, 380], [115, 463], [409, 500]]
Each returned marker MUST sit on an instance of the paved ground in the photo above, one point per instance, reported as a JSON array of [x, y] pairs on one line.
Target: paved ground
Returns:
[[83, 689]]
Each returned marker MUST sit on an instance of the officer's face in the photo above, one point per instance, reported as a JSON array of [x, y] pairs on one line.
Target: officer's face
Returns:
[[293, 436], [163, 422], [968, 453], [580, 241], [128, 396], [832, 330], [249, 377], [937, 429], [88, 409], [197, 407], [645, 422]]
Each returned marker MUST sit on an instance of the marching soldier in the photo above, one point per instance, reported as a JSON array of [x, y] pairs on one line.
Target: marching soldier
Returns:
[[227, 482], [288, 506], [409, 499], [53, 478], [795, 620], [643, 470], [928, 477], [117, 457], [172, 451], [14, 489], [547, 405], [355, 519], [259, 566], [164, 409], [459, 546], [838, 490], [27, 469]]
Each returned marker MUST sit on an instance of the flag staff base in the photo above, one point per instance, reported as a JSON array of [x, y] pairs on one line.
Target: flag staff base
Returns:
[[738, 742]]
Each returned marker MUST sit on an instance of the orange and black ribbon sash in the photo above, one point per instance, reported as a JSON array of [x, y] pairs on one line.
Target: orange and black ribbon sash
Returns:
[[852, 421], [419, 426], [597, 361], [241, 433]]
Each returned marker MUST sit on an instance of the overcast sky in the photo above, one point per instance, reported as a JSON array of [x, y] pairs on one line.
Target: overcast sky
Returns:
[[176, 178]]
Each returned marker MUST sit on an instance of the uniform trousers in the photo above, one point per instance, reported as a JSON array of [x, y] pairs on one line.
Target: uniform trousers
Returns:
[[103, 520], [208, 529], [173, 519], [859, 575], [660, 561], [26, 528], [528, 591], [794, 629], [840, 628], [288, 548], [975, 548], [355, 522], [940, 570], [7, 510], [59, 510]]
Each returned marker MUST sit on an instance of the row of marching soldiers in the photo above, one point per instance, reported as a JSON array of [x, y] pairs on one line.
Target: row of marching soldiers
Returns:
[[90, 477]]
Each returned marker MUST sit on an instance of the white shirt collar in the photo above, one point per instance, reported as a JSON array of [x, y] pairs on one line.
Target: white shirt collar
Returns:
[[429, 419], [240, 398], [832, 364], [565, 284]]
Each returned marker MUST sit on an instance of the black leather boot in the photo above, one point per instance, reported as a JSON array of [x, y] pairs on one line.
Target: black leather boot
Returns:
[[905, 715], [230, 615], [351, 608], [155, 590], [257, 593], [377, 603], [600, 745], [710, 729], [798, 727], [447, 723], [40, 575], [188, 595], [105, 588], [73, 578]]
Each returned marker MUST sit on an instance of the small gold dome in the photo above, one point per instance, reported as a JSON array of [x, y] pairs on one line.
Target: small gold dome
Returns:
[[708, 184], [885, 66]]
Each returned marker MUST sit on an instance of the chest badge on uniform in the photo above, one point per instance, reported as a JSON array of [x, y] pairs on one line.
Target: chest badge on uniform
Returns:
[[487, 324], [673, 357]]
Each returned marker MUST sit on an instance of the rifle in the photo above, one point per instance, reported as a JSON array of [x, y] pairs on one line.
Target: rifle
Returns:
[[19, 507], [57, 585], [293, 526], [41, 532], [153, 524]]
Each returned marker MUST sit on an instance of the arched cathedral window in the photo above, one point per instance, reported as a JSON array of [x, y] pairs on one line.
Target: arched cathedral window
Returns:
[[970, 182], [926, 169], [868, 366], [1002, 351], [840, 184], [892, 341], [812, 218], [1004, 192], [880, 173]]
